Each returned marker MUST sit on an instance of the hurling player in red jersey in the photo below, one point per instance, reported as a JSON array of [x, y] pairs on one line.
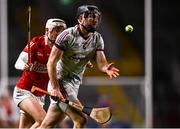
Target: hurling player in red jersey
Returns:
[[35, 74]]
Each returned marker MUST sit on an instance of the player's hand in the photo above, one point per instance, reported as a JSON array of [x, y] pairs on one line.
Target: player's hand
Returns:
[[57, 93], [28, 67], [89, 64], [112, 71]]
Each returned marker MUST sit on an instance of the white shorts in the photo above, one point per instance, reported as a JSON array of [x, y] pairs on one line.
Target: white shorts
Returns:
[[20, 94], [71, 94]]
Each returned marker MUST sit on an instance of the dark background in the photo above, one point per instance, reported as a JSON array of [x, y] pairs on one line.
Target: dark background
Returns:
[[126, 49], [166, 63]]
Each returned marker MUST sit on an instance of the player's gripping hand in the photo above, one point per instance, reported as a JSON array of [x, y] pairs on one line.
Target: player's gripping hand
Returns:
[[28, 67], [112, 71], [57, 93], [89, 64]]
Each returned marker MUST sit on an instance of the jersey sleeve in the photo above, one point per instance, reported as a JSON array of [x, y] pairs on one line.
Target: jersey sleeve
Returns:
[[23, 57], [100, 43], [21, 61], [62, 40]]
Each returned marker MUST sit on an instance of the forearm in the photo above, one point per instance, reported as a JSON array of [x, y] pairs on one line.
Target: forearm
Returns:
[[103, 67], [52, 74], [101, 61], [21, 61], [51, 66]]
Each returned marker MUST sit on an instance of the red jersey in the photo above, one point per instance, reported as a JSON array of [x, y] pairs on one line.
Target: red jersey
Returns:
[[38, 76]]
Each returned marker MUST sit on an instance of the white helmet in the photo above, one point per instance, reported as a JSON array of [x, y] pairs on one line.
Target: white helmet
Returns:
[[55, 22]]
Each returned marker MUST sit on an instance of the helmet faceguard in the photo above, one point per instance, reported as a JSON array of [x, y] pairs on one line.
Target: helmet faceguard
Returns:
[[89, 10], [55, 22]]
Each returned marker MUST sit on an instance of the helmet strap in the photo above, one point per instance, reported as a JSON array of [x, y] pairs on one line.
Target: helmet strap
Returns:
[[89, 28], [52, 41]]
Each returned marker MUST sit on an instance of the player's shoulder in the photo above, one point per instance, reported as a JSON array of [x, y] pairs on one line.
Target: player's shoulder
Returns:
[[97, 35], [71, 30], [38, 39], [68, 33]]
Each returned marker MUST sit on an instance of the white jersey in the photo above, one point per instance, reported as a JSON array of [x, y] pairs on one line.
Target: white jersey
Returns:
[[77, 52]]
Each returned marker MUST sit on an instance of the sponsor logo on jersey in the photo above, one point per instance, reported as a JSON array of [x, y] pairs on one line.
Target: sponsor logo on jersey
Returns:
[[40, 68], [39, 54], [77, 58]]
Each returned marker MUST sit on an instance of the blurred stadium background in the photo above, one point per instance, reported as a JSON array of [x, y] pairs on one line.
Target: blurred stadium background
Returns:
[[140, 97]]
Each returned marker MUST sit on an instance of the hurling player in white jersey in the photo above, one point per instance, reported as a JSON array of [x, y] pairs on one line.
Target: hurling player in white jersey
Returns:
[[72, 50]]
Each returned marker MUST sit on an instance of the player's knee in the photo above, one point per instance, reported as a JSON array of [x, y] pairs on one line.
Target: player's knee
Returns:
[[80, 122], [40, 120], [36, 124], [45, 125]]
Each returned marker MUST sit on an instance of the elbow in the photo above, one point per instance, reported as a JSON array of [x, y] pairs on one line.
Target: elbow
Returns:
[[49, 64], [16, 65]]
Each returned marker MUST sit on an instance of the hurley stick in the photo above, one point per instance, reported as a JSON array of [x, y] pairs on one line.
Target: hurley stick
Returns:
[[100, 115], [29, 34]]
